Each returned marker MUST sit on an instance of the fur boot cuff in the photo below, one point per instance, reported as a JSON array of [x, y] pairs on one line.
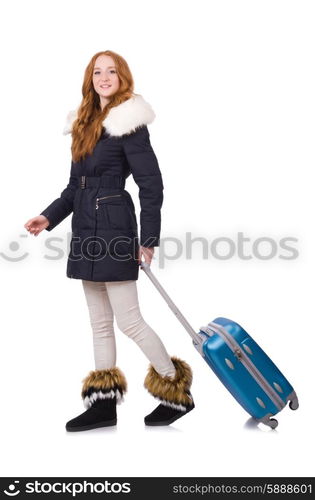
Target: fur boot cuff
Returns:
[[173, 392], [103, 384]]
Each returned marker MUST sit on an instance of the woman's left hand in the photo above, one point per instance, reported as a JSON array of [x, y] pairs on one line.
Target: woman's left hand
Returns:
[[147, 253]]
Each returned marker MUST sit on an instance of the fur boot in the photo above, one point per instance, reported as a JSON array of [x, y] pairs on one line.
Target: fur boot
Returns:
[[173, 393], [101, 391]]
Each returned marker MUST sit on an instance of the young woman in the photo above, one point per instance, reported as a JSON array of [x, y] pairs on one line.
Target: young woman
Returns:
[[110, 141]]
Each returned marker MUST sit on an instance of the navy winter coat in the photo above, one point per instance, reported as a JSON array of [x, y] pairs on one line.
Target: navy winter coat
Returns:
[[105, 240]]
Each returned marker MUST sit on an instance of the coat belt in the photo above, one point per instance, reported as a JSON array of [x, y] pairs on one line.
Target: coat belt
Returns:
[[108, 181]]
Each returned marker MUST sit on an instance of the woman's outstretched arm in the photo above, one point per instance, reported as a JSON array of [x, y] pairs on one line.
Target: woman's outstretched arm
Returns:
[[61, 207]]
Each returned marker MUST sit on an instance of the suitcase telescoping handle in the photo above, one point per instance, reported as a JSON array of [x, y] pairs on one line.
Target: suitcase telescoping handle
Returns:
[[146, 267]]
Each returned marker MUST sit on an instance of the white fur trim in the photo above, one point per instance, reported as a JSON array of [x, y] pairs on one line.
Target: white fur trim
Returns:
[[170, 404], [126, 117], [119, 397], [173, 405], [71, 117], [122, 119], [89, 400]]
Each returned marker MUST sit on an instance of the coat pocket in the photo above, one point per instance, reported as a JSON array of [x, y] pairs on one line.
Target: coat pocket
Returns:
[[118, 213], [119, 216]]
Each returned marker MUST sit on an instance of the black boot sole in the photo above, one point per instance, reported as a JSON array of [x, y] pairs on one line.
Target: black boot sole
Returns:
[[171, 420], [107, 423]]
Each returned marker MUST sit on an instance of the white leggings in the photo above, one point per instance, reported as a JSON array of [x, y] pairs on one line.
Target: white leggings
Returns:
[[120, 298]]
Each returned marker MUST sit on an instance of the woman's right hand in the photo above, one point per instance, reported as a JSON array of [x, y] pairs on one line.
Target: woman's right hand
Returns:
[[37, 224]]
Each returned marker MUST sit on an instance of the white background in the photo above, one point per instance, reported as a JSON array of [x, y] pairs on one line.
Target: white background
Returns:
[[232, 86]]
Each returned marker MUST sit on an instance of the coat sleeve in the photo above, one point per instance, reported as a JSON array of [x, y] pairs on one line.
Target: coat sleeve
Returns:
[[145, 170], [60, 208]]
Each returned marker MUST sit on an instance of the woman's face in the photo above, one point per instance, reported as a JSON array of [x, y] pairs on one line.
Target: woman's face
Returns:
[[105, 78]]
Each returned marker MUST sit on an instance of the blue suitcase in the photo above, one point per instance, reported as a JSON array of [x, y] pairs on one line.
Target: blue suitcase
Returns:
[[238, 361]]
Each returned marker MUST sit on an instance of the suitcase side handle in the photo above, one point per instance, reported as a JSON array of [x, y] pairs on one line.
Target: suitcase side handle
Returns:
[[146, 267]]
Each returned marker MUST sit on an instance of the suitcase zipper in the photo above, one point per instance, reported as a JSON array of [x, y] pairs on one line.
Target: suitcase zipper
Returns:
[[249, 365], [104, 197]]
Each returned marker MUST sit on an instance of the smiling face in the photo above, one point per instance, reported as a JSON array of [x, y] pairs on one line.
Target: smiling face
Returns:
[[105, 79]]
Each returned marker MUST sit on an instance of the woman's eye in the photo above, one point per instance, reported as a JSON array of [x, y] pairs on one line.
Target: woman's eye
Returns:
[[111, 71]]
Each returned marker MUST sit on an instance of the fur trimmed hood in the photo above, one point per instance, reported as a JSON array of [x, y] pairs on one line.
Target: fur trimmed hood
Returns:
[[122, 119]]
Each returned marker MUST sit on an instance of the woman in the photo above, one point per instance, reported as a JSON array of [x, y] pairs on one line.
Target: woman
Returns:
[[110, 141]]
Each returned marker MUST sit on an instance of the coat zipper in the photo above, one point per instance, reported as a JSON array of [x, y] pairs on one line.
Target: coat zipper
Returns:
[[104, 197], [95, 227]]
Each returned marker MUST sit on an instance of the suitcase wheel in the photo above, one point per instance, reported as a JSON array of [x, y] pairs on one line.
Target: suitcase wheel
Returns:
[[273, 423], [294, 404]]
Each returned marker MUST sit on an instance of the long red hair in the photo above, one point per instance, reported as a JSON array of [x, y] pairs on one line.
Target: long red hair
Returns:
[[87, 127]]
